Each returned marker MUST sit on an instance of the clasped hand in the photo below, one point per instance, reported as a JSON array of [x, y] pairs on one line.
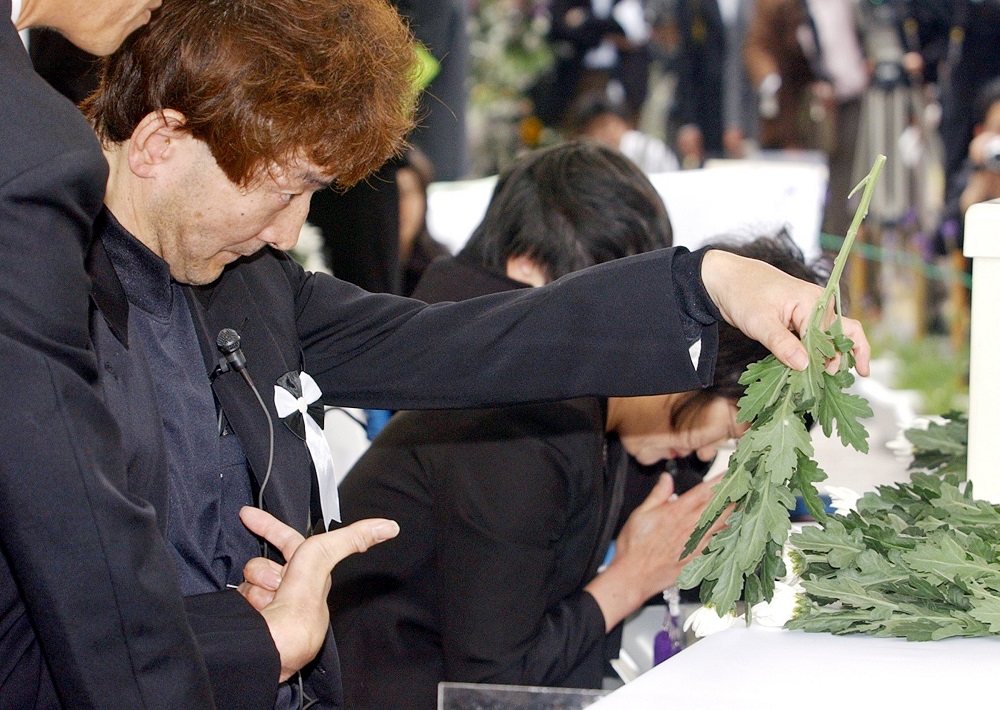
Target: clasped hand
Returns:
[[648, 549], [292, 598]]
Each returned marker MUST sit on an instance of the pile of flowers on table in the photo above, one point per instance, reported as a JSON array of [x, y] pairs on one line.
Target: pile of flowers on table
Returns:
[[918, 560]]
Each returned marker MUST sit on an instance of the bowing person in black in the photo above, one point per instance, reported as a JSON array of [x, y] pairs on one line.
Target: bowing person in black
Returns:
[[506, 513]]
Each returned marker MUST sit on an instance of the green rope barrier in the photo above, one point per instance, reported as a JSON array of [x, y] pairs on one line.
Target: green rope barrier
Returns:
[[894, 256]]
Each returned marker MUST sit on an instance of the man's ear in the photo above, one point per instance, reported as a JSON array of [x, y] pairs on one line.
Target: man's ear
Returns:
[[155, 141]]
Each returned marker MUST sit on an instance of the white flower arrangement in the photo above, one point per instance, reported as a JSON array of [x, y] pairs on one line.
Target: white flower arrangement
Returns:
[[781, 608], [788, 591]]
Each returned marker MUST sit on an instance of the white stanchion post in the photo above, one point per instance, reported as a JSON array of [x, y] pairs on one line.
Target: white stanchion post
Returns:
[[982, 245]]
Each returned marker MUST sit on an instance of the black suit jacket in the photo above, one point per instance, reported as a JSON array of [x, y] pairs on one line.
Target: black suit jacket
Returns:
[[501, 515], [388, 352], [90, 615], [241, 657]]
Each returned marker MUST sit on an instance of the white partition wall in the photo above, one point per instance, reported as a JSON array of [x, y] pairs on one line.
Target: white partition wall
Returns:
[[982, 245], [734, 198]]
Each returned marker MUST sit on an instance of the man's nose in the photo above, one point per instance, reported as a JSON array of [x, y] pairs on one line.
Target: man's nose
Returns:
[[283, 232]]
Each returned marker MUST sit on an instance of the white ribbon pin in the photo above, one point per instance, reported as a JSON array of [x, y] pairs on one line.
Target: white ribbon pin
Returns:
[[319, 448]]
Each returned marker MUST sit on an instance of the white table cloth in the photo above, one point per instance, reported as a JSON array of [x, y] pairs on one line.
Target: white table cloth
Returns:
[[768, 668]]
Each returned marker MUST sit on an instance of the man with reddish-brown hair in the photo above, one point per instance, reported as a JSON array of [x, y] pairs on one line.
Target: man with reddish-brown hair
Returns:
[[218, 121], [214, 152]]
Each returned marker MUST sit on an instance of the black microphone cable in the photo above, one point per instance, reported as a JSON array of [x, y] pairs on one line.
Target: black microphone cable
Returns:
[[228, 342], [270, 439]]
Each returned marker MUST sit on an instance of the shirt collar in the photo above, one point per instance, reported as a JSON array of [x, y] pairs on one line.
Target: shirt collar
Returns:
[[145, 277]]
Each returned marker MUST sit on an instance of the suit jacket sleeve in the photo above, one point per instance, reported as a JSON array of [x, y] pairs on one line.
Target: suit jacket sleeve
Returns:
[[243, 663], [88, 567], [611, 330]]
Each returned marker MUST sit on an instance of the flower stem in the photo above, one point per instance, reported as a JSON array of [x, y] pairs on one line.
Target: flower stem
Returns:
[[833, 285]]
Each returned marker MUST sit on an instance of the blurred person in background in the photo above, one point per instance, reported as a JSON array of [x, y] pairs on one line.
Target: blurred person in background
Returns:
[[360, 229], [955, 45], [807, 61], [984, 150], [713, 89], [595, 116], [599, 45], [417, 248], [979, 178]]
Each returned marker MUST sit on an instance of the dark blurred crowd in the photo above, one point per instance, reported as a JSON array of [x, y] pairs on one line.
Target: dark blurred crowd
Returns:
[[780, 75], [747, 78]]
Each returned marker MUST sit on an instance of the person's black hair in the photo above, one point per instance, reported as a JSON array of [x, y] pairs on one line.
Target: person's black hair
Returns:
[[591, 105], [988, 95], [569, 207], [737, 351]]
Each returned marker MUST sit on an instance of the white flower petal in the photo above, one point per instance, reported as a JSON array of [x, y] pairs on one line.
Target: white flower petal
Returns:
[[781, 607], [791, 577], [900, 446], [843, 500], [706, 621]]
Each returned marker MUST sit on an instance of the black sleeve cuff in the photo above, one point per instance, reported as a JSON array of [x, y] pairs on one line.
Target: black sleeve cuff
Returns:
[[696, 306], [243, 663]]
